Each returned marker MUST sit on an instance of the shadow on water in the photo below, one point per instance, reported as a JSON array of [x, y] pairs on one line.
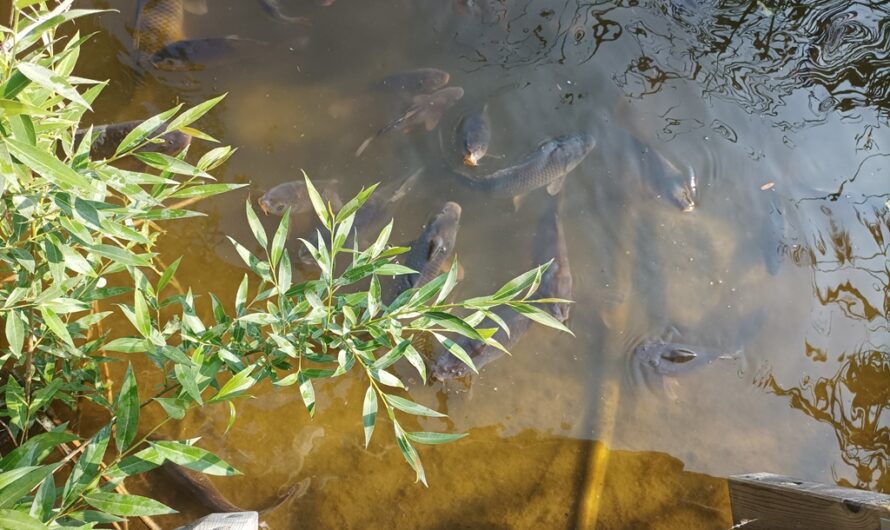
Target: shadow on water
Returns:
[[778, 109]]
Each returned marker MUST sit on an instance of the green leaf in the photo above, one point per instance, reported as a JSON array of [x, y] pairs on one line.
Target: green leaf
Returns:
[[307, 392], [119, 255], [369, 413], [394, 269], [86, 470], [20, 521], [456, 350], [386, 378], [126, 412], [128, 345], [144, 130], [256, 226], [174, 165], [168, 274], [280, 238], [433, 438], [126, 505], [51, 81], [382, 240], [204, 190], [194, 458], [540, 316], [145, 460], [35, 450], [409, 453], [215, 157], [391, 356], [42, 505], [453, 323], [406, 405], [357, 202], [239, 382], [516, 285], [318, 204], [241, 298], [416, 361], [450, 282], [16, 407], [15, 332], [17, 483], [174, 407], [140, 309], [194, 114], [187, 378], [55, 324], [49, 167]]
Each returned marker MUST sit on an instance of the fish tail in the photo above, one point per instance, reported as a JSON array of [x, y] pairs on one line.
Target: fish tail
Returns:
[[406, 186], [365, 144], [279, 501]]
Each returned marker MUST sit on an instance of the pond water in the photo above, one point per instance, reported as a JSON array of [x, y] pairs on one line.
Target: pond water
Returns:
[[779, 109]]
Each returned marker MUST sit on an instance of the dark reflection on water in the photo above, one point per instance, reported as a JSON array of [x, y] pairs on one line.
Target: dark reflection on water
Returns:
[[780, 111], [851, 402]]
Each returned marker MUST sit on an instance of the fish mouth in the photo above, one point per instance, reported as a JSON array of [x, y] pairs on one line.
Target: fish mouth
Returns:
[[471, 159], [263, 206]]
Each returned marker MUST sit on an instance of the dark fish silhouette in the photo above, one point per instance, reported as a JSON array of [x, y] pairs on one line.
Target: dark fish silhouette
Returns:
[[198, 54], [474, 135], [430, 253], [109, 137], [550, 244]]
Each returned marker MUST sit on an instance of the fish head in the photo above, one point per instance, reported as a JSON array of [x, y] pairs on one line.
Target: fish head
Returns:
[[648, 354], [432, 80], [171, 143], [682, 195], [447, 366], [289, 194]]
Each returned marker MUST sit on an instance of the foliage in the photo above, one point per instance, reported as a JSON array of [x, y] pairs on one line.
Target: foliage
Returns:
[[77, 234]]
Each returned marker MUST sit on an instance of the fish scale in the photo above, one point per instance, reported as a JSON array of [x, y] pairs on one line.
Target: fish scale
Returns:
[[159, 23]]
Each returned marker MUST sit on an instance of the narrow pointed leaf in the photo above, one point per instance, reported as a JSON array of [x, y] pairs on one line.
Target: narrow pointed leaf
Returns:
[[406, 405], [127, 412], [369, 414]]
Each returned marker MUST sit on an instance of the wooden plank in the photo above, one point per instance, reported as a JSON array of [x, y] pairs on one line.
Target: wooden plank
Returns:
[[226, 521], [763, 501]]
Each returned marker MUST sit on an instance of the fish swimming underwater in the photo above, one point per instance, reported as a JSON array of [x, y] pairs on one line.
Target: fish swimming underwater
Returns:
[[664, 177], [546, 166], [447, 366], [413, 83], [198, 54], [431, 251], [473, 135], [160, 22], [550, 244], [109, 137], [295, 195], [426, 111], [273, 10]]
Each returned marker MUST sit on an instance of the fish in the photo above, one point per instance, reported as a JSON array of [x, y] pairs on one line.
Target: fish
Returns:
[[660, 362], [108, 137], [473, 135], [273, 10], [197, 54], [665, 178], [431, 251], [415, 82], [160, 22], [426, 110], [371, 217], [202, 489], [447, 366], [546, 166], [550, 244], [380, 206], [295, 195]]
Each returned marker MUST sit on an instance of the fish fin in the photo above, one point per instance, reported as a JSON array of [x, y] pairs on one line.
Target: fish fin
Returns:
[[365, 144], [517, 201], [670, 385], [195, 7], [406, 186], [431, 120], [554, 187]]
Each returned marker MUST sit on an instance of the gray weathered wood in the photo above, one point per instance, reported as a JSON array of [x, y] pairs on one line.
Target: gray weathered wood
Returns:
[[763, 501], [226, 521]]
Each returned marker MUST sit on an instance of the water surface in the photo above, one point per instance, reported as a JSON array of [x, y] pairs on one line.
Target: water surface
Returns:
[[781, 110]]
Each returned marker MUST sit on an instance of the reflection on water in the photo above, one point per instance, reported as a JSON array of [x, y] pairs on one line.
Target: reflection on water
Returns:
[[851, 402], [778, 110]]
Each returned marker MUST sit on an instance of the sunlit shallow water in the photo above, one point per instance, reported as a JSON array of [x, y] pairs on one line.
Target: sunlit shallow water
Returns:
[[785, 256]]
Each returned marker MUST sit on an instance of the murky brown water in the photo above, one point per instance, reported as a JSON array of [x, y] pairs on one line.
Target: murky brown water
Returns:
[[747, 93]]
